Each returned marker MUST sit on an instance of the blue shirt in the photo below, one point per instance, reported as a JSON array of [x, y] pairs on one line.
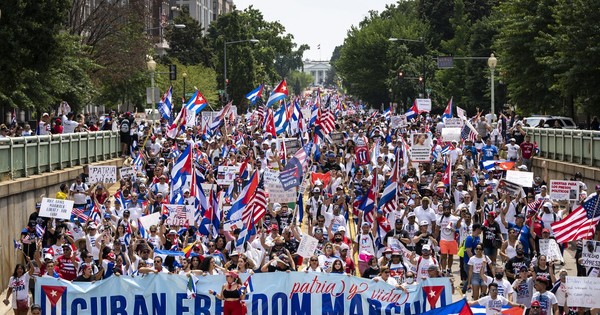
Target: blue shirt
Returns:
[[488, 152], [524, 235]]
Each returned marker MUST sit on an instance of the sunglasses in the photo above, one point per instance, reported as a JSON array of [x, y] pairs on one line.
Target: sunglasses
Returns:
[[478, 248], [535, 307], [157, 261], [314, 260]]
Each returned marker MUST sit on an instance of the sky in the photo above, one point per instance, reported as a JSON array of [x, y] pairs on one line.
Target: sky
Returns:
[[314, 22]]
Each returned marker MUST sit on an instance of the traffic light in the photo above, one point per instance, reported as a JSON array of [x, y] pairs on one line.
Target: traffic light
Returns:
[[172, 72]]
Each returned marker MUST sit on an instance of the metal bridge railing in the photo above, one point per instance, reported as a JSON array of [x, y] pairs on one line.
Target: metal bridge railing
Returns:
[[568, 145], [26, 156]]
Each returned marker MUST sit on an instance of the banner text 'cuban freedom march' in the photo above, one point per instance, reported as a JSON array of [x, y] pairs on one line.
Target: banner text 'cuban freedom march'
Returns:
[[274, 293]]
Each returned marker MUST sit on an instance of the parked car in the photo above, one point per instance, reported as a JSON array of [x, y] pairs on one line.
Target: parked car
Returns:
[[550, 121]]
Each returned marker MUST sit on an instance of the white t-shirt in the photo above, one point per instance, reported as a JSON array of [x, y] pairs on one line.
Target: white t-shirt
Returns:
[[492, 306], [547, 300], [20, 287], [447, 227], [365, 244], [422, 266], [425, 215], [504, 287], [478, 263], [78, 193], [512, 151]]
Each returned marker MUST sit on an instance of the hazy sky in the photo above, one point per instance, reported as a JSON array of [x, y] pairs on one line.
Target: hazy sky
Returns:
[[315, 22]]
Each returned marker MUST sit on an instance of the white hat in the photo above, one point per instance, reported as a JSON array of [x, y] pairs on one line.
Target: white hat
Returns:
[[318, 182], [426, 247], [548, 204], [459, 184], [341, 228], [424, 222], [344, 246], [317, 189], [48, 256], [522, 167]]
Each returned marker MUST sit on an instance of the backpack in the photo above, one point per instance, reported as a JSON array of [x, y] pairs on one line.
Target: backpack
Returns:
[[125, 126]]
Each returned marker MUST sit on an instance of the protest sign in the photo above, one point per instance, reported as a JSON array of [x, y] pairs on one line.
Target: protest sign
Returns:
[[420, 148], [550, 248], [591, 254], [292, 175], [525, 179], [56, 208], [308, 246], [583, 291], [288, 293], [564, 190], [453, 123], [149, 220], [275, 190], [182, 215], [398, 121], [127, 172], [277, 193], [337, 137], [507, 187], [451, 134], [292, 144], [423, 104], [103, 174], [396, 245], [226, 174]]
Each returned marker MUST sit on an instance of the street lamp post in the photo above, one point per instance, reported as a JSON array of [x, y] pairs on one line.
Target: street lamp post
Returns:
[[492, 62], [252, 40], [420, 40], [184, 77], [151, 64]]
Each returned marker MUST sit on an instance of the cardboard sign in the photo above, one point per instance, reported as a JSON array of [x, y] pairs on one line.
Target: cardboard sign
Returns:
[[550, 248], [292, 144], [591, 254], [398, 121], [524, 179], [396, 245], [506, 187], [275, 190], [127, 172], [308, 246], [292, 175], [564, 190], [181, 215], [56, 208], [337, 137], [420, 148], [149, 220], [454, 123], [103, 174], [226, 174], [583, 291], [451, 134], [423, 104]]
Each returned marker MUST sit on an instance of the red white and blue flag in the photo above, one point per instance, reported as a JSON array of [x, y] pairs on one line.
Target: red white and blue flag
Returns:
[[448, 110], [279, 93], [165, 106], [214, 125], [181, 173], [197, 102], [255, 94], [53, 300], [412, 112]]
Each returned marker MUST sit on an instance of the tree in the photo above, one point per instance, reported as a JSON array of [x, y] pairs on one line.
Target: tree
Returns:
[[284, 64], [300, 81], [189, 45]]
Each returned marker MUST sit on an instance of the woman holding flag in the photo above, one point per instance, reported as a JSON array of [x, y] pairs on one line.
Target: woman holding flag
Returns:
[[232, 293]]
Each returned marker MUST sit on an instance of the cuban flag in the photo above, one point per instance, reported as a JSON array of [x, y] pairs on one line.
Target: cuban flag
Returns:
[[182, 171], [214, 125], [457, 308], [387, 114], [255, 94], [281, 119], [248, 285], [53, 300], [314, 114], [412, 112], [279, 93], [138, 162], [489, 165], [448, 110], [165, 106], [240, 204], [142, 230], [196, 103]]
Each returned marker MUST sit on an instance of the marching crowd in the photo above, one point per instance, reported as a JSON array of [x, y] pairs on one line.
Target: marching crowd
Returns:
[[447, 217]]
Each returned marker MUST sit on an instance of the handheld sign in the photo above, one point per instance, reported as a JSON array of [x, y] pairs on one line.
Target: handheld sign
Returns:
[[308, 246], [56, 208], [103, 174], [564, 189]]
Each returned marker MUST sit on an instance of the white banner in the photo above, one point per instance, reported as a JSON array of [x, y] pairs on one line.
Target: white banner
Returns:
[[274, 294], [454, 123], [127, 171], [525, 179], [424, 104], [583, 291], [56, 208], [550, 248], [398, 121], [226, 174], [461, 113], [591, 254], [451, 134], [564, 190], [181, 215], [307, 247], [275, 189], [149, 220], [103, 174]]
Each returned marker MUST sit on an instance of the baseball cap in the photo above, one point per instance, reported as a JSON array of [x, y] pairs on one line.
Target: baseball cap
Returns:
[[398, 221], [545, 231], [426, 247], [234, 253], [410, 214], [387, 250], [48, 256], [432, 267], [535, 303], [424, 222], [366, 224], [341, 229], [172, 232], [548, 204], [492, 213]]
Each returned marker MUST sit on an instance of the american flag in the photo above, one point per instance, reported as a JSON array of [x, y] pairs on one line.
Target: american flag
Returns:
[[535, 205], [258, 204], [468, 132], [302, 157], [580, 224], [39, 231], [80, 214], [325, 123]]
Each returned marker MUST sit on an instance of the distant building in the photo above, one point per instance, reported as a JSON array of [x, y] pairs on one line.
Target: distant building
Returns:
[[205, 11], [318, 69]]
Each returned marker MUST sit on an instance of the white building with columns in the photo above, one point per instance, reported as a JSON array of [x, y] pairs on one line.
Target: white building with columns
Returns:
[[318, 70]]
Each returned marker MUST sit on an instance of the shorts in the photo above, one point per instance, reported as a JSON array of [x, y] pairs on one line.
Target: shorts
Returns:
[[448, 247], [476, 279], [490, 252]]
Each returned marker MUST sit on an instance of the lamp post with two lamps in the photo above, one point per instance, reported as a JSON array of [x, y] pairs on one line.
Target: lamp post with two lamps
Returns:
[[252, 40], [492, 62]]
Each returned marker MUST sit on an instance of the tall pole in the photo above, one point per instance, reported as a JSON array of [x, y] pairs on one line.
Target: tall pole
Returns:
[[184, 77], [152, 86], [492, 93], [225, 97]]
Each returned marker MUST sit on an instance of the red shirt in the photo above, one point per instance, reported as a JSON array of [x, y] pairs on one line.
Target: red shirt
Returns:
[[527, 150], [66, 268]]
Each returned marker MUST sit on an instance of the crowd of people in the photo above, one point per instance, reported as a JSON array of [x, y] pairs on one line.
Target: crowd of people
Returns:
[[464, 228]]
